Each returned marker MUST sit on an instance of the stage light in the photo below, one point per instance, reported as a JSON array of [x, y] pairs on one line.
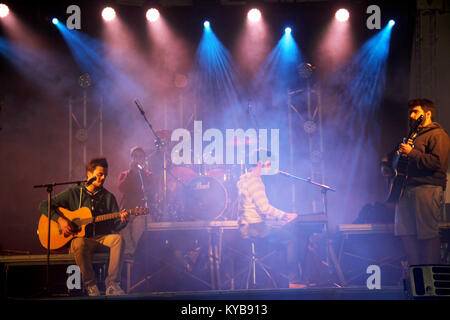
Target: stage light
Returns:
[[254, 15], [206, 24], [108, 13], [288, 30], [55, 21], [4, 10], [152, 15], [342, 15], [391, 23]]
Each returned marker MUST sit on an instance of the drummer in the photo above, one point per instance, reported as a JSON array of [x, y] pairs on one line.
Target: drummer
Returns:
[[136, 185]]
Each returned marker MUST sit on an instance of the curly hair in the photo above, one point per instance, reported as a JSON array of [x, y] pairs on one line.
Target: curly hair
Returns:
[[96, 162]]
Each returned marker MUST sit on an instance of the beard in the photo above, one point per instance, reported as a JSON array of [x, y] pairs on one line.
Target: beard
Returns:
[[413, 123]]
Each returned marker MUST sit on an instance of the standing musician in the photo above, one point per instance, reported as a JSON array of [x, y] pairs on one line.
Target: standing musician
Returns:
[[420, 208], [101, 234], [255, 211], [134, 184]]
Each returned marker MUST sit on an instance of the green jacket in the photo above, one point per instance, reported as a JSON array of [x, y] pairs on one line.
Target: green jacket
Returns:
[[99, 203]]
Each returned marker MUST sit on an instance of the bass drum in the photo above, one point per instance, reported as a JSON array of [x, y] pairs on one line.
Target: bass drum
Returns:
[[205, 198]]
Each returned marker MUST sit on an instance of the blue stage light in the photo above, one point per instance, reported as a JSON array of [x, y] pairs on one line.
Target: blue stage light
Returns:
[[206, 24], [391, 23], [55, 21], [288, 30]]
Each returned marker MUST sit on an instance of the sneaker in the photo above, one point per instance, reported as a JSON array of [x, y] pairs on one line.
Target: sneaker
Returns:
[[93, 291], [114, 289], [297, 285]]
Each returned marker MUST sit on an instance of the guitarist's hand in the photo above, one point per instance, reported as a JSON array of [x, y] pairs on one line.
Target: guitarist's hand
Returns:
[[124, 216], [288, 217], [66, 227], [405, 148]]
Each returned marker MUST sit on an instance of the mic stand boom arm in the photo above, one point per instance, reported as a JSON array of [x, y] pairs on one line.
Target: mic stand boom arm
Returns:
[[159, 145], [330, 251]]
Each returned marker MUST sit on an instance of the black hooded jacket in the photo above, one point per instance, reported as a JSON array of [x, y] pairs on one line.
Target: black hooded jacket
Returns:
[[428, 160]]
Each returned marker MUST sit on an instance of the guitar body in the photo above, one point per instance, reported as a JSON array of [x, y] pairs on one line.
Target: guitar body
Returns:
[[400, 166], [79, 218], [398, 181], [58, 240]]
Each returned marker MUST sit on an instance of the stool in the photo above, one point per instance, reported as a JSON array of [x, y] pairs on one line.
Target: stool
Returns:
[[128, 264], [254, 262], [248, 263]]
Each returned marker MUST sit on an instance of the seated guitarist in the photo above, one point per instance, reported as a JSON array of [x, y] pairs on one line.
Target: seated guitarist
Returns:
[[99, 201], [420, 207]]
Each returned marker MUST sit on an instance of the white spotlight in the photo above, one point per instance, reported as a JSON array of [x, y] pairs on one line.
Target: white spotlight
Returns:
[[152, 15], [254, 15], [342, 15], [108, 14], [4, 10]]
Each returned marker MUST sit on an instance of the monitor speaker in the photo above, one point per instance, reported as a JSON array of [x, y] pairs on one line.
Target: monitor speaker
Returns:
[[428, 281]]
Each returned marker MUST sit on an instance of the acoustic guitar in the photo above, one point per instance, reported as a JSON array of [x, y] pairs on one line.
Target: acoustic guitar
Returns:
[[79, 219], [400, 166]]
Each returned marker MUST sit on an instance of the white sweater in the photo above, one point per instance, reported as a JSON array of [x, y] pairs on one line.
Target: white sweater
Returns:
[[254, 206]]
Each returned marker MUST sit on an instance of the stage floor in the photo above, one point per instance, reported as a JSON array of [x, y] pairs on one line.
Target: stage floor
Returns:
[[347, 293]]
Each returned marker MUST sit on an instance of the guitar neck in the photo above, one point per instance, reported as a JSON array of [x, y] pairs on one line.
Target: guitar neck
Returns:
[[114, 215], [108, 216]]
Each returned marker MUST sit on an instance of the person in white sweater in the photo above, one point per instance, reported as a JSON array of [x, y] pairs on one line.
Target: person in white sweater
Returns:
[[256, 213]]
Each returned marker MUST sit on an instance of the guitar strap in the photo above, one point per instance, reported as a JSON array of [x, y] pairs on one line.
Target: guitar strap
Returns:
[[81, 193], [415, 135]]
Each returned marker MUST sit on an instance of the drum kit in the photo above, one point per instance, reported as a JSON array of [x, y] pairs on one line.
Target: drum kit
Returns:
[[192, 192]]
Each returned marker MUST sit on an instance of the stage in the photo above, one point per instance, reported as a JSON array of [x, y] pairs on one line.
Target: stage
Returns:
[[350, 293]]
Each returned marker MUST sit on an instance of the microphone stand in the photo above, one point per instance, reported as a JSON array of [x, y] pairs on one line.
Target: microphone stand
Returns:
[[144, 193], [330, 251], [159, 145], [49, 187]]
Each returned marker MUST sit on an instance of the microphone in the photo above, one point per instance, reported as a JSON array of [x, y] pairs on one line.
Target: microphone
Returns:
[[90, 181], [140, 167]]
